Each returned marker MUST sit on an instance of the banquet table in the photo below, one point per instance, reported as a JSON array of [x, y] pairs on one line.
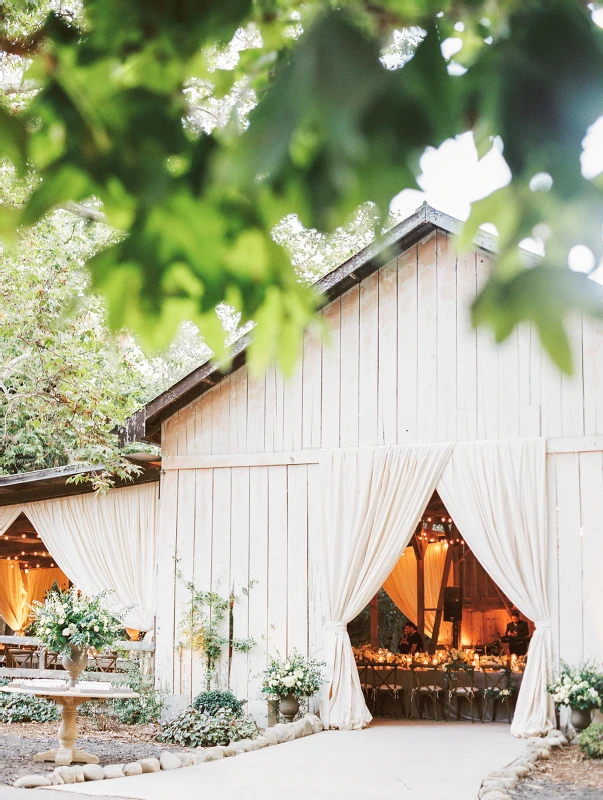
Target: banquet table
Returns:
[[402, 679]]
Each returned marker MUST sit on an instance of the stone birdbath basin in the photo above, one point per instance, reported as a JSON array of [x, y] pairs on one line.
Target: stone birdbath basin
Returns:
[[69, 699]]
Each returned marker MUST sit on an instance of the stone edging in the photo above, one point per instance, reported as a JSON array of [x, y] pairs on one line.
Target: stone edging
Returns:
[[497, 784], [170, 760]]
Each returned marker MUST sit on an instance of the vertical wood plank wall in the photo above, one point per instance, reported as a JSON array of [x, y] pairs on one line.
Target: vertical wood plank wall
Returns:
[[575, 514], [401, 364]]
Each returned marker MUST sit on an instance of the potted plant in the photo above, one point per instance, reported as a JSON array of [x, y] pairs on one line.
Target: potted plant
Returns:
[[70, 623], [580, 688], [288, 681]]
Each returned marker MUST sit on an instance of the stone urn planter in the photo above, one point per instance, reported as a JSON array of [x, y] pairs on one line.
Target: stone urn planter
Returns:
[[75, 662], [289, 706], [581, 718]]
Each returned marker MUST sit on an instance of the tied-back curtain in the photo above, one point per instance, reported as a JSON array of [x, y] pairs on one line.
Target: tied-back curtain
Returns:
[[372, 500], [496, 493], [106, 543], [401, 586], [13, 596], [8, 514]]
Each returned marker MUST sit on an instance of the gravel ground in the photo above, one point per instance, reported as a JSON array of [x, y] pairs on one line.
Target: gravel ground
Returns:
[[566, 776], [19, 742]]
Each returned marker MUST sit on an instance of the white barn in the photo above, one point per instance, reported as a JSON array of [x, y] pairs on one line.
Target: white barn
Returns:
[[248, 464], [241, 481]]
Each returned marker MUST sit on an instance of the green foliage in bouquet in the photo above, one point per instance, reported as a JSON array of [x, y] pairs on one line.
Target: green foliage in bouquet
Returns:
[[296, 675], [70, 618], [199, 729], [213, 701], [590, 741], [26, 708], [578, 687]]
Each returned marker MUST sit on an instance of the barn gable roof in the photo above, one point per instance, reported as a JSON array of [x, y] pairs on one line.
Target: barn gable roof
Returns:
[[145, 424]]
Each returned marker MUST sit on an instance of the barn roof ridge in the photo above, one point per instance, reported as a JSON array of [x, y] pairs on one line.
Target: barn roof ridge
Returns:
[[145, 424]]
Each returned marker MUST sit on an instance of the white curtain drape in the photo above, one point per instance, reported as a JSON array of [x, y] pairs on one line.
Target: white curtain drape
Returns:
[[8, 514], [372, 500], [496, 493], [401, 586], [106, 542], [13, 596]]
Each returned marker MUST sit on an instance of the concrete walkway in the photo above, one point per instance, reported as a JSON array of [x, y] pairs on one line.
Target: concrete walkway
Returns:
[[390, 759]]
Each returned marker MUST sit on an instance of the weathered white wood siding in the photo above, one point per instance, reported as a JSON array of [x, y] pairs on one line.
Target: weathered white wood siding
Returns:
[[401, 364], [575, 496]]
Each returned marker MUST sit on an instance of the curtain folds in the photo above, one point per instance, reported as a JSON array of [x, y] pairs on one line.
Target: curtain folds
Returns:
[[106, 542], [37, 582], [372, 500], [496, 493], [401, 586], [13, 596], [8, 514]]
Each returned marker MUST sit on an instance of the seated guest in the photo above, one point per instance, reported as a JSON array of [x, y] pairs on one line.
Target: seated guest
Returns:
[[517, 634], [411, 641]]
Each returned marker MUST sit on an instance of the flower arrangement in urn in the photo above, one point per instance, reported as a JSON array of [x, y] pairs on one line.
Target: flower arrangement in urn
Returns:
[[291, 679], [69, 622], [580, 688]]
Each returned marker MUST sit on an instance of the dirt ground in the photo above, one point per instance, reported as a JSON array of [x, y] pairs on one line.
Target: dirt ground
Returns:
[[566, 776], [20, 741]]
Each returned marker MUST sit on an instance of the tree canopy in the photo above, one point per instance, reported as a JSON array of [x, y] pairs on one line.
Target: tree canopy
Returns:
[[201, 126]]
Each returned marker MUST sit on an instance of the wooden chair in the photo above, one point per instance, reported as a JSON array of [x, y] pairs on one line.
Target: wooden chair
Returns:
[[427, 682], [497, 679], [52, 660], [386, 686], [107, 662], [365, 677], [461, 687], [25, 657]]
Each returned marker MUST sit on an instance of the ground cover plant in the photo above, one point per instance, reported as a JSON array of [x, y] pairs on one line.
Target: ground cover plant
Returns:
[[590, 741], [194, 728], [16, 707], [212, 701]]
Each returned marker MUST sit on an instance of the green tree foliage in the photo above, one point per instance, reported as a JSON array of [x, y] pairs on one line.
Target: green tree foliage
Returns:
[[147, 107], [65, 380]]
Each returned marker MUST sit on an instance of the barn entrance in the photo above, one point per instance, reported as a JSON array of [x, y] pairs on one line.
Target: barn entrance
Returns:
[[27, 573], [440, 638]]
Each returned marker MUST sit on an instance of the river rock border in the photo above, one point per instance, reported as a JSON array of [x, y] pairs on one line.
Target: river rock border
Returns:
[[497, 785], [169, 759]]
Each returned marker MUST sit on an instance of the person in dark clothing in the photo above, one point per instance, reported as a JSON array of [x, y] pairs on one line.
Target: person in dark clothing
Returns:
[[517, 634], [411, 641]]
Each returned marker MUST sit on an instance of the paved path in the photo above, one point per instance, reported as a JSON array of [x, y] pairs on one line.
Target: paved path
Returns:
[[390, 759]]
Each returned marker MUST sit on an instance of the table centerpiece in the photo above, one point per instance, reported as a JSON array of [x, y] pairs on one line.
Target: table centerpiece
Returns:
[[71, 623]]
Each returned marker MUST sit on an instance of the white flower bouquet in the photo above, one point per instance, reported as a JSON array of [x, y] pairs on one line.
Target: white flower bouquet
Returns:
[[296, 675], [578, 687], [69, 618]]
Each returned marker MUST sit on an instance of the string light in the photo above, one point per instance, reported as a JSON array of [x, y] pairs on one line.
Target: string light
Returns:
[[23, 536], [26, 570]]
